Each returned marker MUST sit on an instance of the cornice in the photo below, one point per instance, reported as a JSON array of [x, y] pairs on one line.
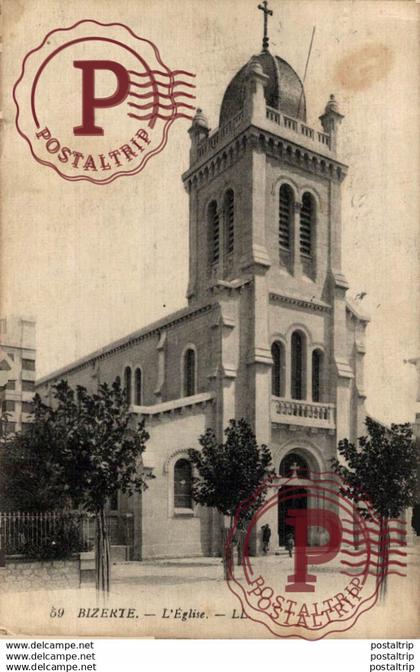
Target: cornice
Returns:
[[291, 153], [128, 341], [314, 304], [174, 406]]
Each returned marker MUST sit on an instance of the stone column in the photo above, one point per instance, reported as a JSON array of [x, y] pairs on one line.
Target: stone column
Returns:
[[255, 104], [297, 263]]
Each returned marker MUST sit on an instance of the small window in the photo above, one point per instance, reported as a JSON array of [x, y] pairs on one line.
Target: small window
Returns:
[[285, 216], [28, 364], [11, 385], [214, 233], [138, 397], [28, 385], [316, 375], [27, 407], [229, 221], [189, 373], [183, 485], [10, 427], [8, 405], [277, 375], [307, 216], [127, 384]]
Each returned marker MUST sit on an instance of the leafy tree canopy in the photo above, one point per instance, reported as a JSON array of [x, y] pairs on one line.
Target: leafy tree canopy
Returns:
[[230, 472], [381, 468], [77, 452]]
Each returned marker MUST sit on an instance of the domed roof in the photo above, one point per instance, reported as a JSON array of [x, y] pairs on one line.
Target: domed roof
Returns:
[[284, 90]]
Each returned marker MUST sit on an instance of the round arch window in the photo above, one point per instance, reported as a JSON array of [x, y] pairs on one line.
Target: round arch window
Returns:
[[183, 484]]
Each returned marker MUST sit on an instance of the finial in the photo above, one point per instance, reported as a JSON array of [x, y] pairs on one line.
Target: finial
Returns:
[[332, 104], [267, 13], [200, 119]]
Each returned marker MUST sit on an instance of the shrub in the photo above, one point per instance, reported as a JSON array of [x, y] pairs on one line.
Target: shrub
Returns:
[[60, 544]]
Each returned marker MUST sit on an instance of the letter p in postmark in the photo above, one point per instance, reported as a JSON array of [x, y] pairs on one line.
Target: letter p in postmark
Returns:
[[95, 101]]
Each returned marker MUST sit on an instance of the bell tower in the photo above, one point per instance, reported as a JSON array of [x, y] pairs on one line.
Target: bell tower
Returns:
[[264, 187], [265, 214]]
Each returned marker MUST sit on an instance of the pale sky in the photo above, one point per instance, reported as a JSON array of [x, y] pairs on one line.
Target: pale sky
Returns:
[[93, 263]]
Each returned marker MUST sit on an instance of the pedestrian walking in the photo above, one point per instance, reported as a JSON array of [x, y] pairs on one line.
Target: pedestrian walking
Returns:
[[266, 536], [290, 542]]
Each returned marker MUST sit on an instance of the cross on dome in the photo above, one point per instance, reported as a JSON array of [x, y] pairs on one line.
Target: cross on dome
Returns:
[[267, 12]]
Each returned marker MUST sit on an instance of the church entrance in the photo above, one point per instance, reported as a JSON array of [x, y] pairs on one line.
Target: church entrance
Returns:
[[291, 496]]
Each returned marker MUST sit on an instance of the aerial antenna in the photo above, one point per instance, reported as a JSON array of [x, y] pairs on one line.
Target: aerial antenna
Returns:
[[306, 68]]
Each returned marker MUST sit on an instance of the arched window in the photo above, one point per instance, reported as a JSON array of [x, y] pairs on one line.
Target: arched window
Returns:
[[298, 365], [317, 375], [189, 372], [229, 221], [183, 484], [214, 232], [138, 396], [285, 216], [294, 465], [277, 373], [307, 223], [127, 384]]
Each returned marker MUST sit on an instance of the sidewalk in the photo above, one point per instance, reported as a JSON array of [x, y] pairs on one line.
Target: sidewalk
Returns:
[[173, 571]]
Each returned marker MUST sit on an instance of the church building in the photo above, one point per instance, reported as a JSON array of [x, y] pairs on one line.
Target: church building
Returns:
[[267, 334]]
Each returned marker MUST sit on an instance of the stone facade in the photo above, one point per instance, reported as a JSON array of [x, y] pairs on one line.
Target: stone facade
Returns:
[[250, 291], [21, 575]]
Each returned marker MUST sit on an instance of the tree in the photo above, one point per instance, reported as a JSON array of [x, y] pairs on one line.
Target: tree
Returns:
[[82, 449], [231, 472], [382, 470]]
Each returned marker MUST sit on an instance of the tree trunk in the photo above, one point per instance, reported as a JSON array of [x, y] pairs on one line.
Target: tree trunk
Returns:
[[102, 554], [241, 541], [227, 551], [383, 558]]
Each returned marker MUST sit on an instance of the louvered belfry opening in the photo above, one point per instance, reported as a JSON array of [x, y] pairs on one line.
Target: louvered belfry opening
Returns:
[[229, 221], [285, 216], [214, 233], [307, 212]]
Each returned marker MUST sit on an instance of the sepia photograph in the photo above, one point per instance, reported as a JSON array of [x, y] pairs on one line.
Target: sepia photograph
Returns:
[[209, 319]]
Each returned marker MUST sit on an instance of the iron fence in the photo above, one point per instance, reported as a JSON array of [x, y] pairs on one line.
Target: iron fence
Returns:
[[21, 532]]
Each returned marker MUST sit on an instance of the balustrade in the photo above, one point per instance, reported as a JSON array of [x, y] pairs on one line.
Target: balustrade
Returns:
[[306, 413], [228, 130]]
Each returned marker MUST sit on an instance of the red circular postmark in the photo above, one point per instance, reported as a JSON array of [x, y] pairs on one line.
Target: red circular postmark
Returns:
[[335, 558], [95, 101]]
